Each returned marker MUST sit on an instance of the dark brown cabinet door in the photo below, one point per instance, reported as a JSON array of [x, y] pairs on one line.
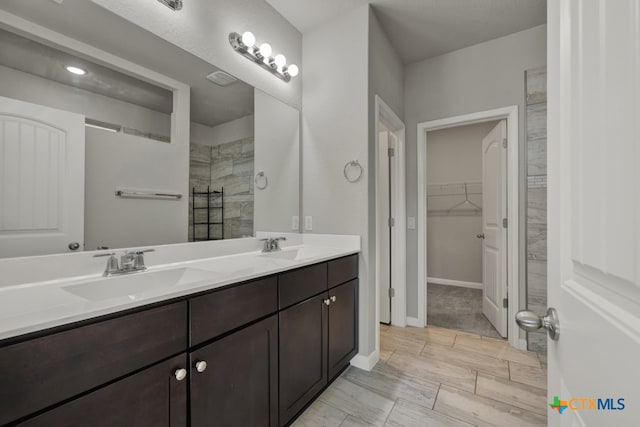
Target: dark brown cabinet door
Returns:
[[303, 349], [239, 386], [343, 326], [153, 397]]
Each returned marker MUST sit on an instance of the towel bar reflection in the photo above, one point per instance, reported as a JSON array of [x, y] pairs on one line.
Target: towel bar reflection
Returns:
[[148, 195]]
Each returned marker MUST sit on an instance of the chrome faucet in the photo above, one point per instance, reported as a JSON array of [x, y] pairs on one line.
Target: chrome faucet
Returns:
[[272, 244], [130, 262]]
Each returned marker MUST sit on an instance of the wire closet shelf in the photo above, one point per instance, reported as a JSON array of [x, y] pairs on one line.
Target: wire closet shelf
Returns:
[[454, 199]]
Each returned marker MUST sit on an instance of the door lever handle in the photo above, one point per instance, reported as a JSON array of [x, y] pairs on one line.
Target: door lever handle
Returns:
[[480, 236], [531, 322]]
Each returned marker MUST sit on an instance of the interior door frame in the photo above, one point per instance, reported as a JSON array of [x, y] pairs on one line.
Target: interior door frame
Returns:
[[396, 127], [515, 244]]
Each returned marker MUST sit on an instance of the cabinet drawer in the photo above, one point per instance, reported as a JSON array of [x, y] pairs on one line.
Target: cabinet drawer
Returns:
[[298, 285], [342, 270], [41, 372], [151, 398], [219, 312]]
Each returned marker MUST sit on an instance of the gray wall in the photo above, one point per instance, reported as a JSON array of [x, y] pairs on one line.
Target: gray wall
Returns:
[[454, 155], [481, 77], [334, 131], [536, 84]]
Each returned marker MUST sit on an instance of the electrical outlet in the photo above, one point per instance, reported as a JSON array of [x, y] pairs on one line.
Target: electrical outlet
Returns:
[[295, 222], [411, 222], [308, 223]]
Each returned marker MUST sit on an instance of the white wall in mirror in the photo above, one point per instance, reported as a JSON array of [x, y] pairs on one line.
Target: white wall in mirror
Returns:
[[277, 154]]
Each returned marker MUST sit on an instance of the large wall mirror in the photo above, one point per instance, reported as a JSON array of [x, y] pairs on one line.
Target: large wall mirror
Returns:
[[91, 156]]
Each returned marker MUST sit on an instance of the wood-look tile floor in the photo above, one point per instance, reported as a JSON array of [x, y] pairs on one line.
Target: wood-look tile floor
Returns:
[[437, 377]]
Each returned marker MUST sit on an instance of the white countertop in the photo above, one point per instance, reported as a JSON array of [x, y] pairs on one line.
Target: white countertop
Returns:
[[31, 307]]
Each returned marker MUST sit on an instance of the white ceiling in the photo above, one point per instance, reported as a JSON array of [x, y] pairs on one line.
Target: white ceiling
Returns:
[[83, 20], [420, 29]]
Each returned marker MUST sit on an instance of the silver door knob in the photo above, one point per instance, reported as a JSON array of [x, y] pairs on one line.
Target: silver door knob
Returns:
[[531, 322], [201, 366], [180, 374], [74, 246], [327, 301], [480, 236], [333, 298]]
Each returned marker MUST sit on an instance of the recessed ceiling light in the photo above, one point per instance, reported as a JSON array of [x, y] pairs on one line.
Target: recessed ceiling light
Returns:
[[76, 70]]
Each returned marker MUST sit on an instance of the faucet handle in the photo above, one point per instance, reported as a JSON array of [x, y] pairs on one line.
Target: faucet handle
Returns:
[[143, 251], [112, 263], [104, 254]]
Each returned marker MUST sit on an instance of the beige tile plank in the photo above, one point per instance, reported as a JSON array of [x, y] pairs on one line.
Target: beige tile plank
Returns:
[[481, 411], [467, 359], [319, 414], [385, 355], [530, 375], [352, 421], [357, 401], [523, 396], [395, 384], [500, 350], [432, 370], [407, 414], [401, 344]]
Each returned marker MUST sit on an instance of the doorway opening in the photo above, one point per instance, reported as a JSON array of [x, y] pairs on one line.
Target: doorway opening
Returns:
[[465, 197], [470, 205]]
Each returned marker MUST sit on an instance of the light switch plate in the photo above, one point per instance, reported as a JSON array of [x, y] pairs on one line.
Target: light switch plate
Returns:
[[295, 222], [411, 222], [308, 223]]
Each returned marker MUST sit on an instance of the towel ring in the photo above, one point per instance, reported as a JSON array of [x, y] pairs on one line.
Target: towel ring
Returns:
[[261, 181], [353, 164]]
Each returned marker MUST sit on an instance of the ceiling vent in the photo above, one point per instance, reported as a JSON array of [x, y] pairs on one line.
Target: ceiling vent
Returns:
[[221, 78]]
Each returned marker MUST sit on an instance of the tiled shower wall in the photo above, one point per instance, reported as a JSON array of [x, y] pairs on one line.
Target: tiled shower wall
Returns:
[[229, 166], [536, 121]]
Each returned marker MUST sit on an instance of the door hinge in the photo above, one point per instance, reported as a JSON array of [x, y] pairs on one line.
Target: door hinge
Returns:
[[392, 292], [505, 222], [504, 142], [392, 222], [505, 302], [392, 152]]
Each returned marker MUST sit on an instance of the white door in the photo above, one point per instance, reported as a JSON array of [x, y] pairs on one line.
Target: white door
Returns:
[[41, 179], [594, 211], [494, 211], [384, 240]]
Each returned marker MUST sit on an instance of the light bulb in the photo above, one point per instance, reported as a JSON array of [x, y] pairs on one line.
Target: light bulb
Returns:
[[248, 39], [280, 60], [293, 70], [76, 70], [265, 50]]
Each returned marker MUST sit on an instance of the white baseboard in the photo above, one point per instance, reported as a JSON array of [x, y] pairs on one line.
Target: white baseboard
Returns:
[[414, 321], [449, 282], [366, 362]]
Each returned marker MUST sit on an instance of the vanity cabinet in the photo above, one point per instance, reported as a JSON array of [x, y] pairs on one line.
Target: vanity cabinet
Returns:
[[318, 336], [154, 397], [249, 354], [238, 382]]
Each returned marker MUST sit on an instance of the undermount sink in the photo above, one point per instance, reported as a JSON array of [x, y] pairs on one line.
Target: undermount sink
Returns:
[[138, 285]]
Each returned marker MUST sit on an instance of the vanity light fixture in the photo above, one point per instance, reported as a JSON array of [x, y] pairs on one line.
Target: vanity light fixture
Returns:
[[174, 5], [76, 70], [245, 45]]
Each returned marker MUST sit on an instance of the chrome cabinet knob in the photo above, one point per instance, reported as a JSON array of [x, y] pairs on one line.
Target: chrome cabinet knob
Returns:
[[201, 366], [180, 374], [74, 246], [480, 236], [326, 301], [531, 322], [333, 298]]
